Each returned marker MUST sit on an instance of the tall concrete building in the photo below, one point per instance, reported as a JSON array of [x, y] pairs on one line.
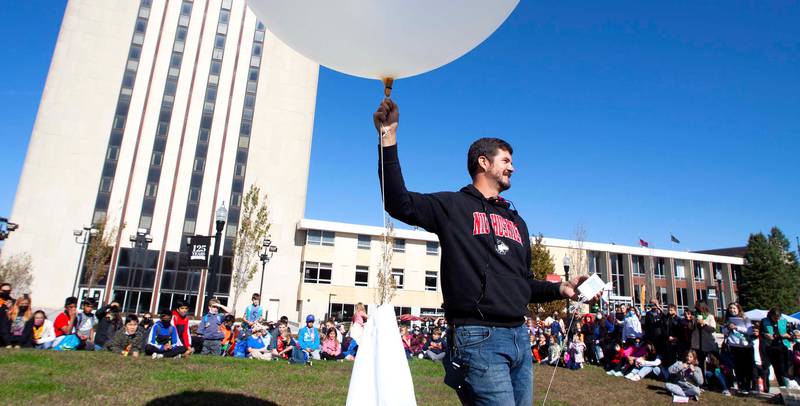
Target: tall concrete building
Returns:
[[154, 114]]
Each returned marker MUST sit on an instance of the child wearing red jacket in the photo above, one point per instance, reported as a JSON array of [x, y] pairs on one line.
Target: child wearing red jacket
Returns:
[[180, 319]]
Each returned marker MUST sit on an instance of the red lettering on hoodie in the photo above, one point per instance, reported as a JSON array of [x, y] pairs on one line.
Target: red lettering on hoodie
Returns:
[[502, 227]]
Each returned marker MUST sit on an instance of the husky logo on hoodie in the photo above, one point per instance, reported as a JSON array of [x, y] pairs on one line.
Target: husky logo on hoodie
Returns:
[[501, 247]]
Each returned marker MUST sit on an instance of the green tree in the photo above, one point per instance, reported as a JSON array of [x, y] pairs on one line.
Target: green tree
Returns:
[[542, 264], [771, 273], [253, 229]]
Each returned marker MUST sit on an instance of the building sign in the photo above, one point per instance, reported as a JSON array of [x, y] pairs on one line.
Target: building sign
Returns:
[[712, 294], [199, 247]]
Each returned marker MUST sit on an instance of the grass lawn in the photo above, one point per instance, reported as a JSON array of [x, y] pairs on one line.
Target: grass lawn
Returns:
[[50, 377]]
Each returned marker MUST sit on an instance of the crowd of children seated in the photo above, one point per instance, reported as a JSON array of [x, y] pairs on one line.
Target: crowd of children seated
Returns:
[[682, 351]]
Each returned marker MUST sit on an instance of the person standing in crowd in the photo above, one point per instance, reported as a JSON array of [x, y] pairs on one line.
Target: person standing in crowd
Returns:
[[760, 361], [685, 377], [557, 329], [127, 341], [109, 321], [575, 351], [308, 339], [180, 319], [776, 338], [253, 312], [673, 334], [359, 320], [632, 326], [15, 333], [164, 340], [737, 330], [703, 341], [43, 333], [796, 355], [587, 332], [210, 328], [654, 325]]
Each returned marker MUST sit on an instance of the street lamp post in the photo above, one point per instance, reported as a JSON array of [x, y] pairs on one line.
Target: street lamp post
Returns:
[[329, 305], [269, 251], [221, 216], [82, 237]]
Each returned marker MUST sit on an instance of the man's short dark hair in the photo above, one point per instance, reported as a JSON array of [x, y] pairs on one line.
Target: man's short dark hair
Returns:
[[180, 303], [256, 296], [72, 300], [131, 317], [487, 147], [4, 284]]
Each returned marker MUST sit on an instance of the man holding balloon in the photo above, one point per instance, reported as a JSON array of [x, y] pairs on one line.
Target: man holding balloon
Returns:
[[485, 267]]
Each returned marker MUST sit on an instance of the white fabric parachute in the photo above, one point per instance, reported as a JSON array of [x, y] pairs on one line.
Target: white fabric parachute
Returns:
[[380, 374]]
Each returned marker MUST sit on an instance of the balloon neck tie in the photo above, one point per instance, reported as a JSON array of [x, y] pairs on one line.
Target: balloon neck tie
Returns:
[[387, 87]]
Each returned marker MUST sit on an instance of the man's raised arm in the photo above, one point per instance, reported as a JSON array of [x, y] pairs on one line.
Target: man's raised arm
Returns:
[[409, 207]]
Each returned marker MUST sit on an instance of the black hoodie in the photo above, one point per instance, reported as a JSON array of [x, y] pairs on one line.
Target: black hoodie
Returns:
[[486, 254]]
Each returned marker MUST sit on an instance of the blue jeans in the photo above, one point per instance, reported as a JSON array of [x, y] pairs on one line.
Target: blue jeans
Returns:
[[490, 365]]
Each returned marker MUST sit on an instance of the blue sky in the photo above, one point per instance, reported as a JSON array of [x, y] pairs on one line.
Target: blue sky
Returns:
[[633, 119]]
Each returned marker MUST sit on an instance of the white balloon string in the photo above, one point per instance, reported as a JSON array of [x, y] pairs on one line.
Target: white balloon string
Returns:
[[384, 131], [555, 368]]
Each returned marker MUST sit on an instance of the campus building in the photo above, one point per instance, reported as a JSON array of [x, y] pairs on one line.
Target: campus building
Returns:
[[339, 265], [155, 113]]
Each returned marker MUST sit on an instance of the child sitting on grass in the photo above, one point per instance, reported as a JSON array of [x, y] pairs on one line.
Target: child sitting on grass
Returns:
[[648, 364], [256, 347], [576, 349], [685, 378], [128, 340], [331, 348]]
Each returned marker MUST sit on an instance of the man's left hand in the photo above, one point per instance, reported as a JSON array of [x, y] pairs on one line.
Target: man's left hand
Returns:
[[569, 289]]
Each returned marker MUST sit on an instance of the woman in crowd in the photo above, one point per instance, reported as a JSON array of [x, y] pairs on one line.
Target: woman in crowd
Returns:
[[796, 355], [685, 377], [359, 320], [19, 330], [43, 334], [406, 338], [703, 341], [645, 365], [776, 338], [109, 321], [587, 332], [737, 330], [331, 348]]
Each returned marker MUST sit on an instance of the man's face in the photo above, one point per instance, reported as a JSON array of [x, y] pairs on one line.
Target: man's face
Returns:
[[256, 302], [165, 320], [672, 311], [87, 308], [182, 310], [500, 169], [281, 328], [6, 289]]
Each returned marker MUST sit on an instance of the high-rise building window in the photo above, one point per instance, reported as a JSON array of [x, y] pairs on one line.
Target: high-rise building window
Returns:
[[362, 276], [399, 245], [121, 113], [399, 277], [315, 272], [430, 280]]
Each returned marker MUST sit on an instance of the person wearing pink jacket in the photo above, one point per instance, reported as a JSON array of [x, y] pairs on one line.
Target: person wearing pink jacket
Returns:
[[331, 349]]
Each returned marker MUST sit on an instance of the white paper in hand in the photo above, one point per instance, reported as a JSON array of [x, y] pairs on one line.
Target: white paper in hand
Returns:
[[590, 288], [380, 374]]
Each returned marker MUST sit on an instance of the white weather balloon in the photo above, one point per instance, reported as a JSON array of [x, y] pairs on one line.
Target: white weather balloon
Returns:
[[381, 39]]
